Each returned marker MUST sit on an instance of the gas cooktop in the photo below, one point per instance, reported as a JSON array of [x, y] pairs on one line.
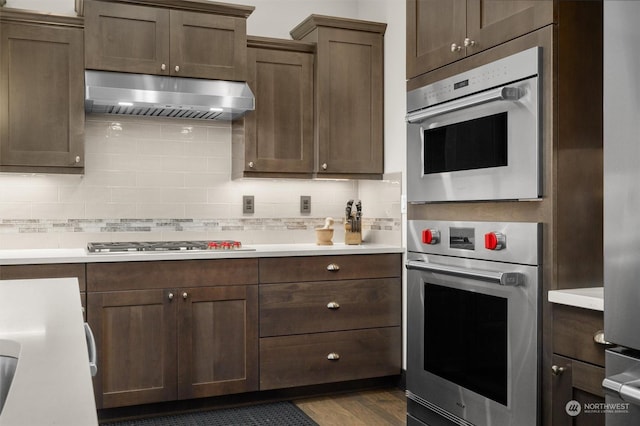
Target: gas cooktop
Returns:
[[159, 246]]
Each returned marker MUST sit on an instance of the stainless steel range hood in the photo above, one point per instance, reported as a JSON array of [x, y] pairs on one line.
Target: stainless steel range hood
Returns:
[[163, 96]]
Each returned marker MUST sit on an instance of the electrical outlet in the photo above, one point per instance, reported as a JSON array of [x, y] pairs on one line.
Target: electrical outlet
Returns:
[[305, 204], [247, 204]]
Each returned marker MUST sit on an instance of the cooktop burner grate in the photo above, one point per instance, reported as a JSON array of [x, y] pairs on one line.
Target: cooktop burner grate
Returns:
[[155, 246]]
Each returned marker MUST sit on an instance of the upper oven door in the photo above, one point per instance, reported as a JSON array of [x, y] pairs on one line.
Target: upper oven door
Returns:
[[484, 146]]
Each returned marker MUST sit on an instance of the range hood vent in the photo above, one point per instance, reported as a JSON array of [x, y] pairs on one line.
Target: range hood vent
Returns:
[[162, 96]]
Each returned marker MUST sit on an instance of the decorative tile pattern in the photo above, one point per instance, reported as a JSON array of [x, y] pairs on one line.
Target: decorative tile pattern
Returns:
[[25, 226]]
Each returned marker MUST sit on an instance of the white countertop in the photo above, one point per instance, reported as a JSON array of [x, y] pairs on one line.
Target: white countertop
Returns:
[[41, 322], [80, 255], [588, 298]]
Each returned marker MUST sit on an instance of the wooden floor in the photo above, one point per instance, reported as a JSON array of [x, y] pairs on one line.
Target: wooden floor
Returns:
[[384, 407]]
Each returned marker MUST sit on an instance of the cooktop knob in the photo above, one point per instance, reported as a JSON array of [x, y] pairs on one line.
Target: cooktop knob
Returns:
[[430, 236], [495, 241]]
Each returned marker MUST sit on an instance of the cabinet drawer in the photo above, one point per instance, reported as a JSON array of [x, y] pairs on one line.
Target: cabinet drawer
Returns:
[[573, 331], [168, 274], [324, 268], [298, 308], [304, 359]]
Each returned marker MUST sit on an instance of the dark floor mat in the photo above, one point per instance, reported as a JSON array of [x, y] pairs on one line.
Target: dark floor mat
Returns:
[[271, 414]]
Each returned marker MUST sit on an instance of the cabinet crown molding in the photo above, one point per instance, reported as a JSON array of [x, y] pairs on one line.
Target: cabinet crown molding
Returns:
[[227, 9], [315, 21], [28, 16], [280, 44]]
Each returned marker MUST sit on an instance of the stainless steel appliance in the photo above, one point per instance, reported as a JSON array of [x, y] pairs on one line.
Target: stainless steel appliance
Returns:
[[476, 135], [621, 212], [163, 96], [164, 246], [473, 335]]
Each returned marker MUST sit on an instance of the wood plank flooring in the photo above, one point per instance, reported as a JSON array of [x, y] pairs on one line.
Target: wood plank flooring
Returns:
[[383, 407]]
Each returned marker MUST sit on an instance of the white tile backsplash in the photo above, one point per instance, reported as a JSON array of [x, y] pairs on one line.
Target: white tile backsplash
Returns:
[[155, 169]]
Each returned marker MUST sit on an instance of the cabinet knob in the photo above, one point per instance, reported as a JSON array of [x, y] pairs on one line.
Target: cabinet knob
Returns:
[[324, 166], [599, 338], [333, 356], [77, 159], [251, 164], [556, 371], [163, 67], [332, 267], [455, 47], [469, 43], [333, 305], [170, 296], [177, 68], [185, 295]]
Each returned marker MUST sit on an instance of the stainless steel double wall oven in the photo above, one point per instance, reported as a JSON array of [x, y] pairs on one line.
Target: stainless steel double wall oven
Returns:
[[474, 288]]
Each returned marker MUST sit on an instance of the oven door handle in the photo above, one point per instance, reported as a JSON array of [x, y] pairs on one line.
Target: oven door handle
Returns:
[[500, 94], [502, 278]]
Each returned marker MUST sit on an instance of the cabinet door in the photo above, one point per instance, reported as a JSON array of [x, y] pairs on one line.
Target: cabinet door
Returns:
[[135, 339], [349, 90], [41, 98], [127, 38], [433, 26], [580, 382], [492, 22], [279, 133], [217, 341], [208, 46]]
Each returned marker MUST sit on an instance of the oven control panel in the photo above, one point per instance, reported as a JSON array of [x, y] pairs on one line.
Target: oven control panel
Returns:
[[500, 241]]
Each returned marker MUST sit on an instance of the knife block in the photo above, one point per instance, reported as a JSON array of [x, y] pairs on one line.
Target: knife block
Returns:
[[351, 238]]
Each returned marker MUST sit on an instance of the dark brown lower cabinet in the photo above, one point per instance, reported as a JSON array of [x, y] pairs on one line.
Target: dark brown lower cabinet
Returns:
[[168, 330], [577, 367], [135, 338], [217, 341], [326, 319], [168, 344], [577, 383]]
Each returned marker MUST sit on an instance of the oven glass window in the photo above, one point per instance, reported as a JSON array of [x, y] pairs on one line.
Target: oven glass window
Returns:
[[466, 339], [473, 144]]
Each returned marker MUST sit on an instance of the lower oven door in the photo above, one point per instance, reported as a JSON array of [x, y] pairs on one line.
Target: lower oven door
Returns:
[[472, 340]]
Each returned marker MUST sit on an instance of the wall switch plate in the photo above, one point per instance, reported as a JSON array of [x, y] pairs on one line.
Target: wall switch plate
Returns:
[[305, 204], [247, 204]]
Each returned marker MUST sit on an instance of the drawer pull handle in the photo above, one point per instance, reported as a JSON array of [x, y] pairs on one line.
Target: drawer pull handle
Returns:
[[333, 267], [599, 338], [333, 356], [333, 305], [556, 371]]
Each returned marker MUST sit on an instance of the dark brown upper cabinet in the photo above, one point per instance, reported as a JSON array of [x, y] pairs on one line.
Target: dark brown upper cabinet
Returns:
[[443, 31], [276, 140], [348, 103], [179, 37], [41, 93]]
